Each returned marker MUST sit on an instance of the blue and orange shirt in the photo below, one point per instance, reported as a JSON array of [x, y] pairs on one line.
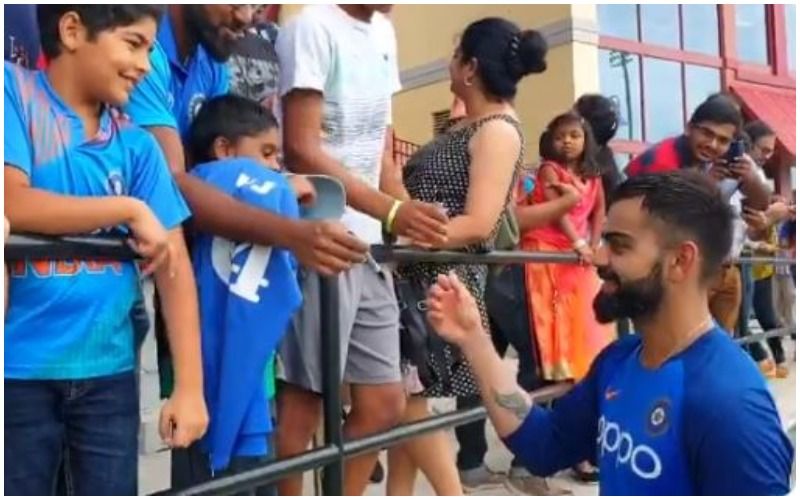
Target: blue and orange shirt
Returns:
[[666, 156], [174, 90], [703, 423], [71, 319]]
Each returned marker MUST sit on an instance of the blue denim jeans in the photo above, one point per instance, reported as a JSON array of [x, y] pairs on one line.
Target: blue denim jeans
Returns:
[[90, 426]]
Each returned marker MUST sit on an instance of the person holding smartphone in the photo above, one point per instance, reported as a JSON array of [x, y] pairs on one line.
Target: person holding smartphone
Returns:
[[711, 143]]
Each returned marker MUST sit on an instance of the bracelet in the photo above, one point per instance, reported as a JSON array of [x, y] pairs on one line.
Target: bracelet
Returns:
[[580, 243], [392, 215]]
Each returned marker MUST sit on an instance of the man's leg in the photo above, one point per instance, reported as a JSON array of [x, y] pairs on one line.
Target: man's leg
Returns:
[[34, 434], [102, 419], [376, 408], [299, 413], [765, 314], [299, 393], [373, 369]]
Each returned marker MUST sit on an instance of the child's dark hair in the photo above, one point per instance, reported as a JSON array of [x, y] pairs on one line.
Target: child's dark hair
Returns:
[[229, 116], [588, 165], [504, 54], [96, 18]]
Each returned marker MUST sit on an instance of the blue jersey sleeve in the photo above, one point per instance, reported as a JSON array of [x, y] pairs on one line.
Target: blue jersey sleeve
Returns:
[[150, 103], [743, 450], [17, 141], [552, 440], [153, 182]]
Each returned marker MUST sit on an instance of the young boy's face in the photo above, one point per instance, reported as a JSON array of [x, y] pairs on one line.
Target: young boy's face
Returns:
[[114, 62], [263, 148]]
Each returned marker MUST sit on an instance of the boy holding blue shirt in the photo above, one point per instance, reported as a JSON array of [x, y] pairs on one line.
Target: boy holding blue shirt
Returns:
[[75, 165], [248, 292]]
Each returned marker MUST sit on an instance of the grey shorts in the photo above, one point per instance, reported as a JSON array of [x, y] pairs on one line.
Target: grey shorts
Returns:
[[369, 340]]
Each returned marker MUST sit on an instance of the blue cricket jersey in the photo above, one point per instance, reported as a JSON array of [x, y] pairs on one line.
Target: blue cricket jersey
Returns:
[[71, 319], [248, 294], [174, 90], [704, 423]]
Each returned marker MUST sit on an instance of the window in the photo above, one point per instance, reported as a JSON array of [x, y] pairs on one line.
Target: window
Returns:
[[660, 25], [790, 23], [663, 104], [751, 33], [620, 80], [701, 82], [700, 28], [618, 20], [663, 24]]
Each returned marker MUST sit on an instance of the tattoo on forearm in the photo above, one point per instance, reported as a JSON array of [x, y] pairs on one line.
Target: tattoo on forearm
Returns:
[[514, 402]]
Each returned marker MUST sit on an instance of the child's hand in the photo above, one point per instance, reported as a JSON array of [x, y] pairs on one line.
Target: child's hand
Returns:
[[306, 194], [151, 240], [585, 253], [184, 418]]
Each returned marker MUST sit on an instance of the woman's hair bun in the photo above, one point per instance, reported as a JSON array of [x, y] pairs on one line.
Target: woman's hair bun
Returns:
[[530, 54]]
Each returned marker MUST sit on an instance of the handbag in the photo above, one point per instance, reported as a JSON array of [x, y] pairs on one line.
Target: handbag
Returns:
[[419, 342]]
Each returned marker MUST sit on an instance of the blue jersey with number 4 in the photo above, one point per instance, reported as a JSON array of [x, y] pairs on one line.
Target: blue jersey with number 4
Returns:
[[248, 294]]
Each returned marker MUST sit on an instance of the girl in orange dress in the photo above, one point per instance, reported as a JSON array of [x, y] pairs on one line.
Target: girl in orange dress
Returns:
[[560, 296]]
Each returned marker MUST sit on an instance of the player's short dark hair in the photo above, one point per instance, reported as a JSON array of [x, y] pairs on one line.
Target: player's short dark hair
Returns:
[[691, 207], [95, 17], [229, 116]]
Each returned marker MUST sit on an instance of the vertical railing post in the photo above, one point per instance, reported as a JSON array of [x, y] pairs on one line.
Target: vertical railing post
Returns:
[[333, 474]]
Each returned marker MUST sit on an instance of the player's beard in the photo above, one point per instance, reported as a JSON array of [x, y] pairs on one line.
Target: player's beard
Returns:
[[636, 299]]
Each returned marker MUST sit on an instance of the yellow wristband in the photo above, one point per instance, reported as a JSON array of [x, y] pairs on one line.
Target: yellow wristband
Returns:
[[392, 215]]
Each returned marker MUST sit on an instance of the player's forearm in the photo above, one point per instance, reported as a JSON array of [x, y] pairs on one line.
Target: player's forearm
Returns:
[[309, 158], [217, 213], [38, 211], [506, 403], [178, 295]]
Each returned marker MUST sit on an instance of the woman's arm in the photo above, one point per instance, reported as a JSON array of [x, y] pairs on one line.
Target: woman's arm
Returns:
[[494, 150]]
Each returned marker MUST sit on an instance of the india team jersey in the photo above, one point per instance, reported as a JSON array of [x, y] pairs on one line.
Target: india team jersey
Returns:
[[71, 319], [703, 423], [248, 293]]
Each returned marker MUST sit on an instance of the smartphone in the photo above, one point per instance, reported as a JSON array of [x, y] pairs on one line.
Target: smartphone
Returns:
[[735, 151]]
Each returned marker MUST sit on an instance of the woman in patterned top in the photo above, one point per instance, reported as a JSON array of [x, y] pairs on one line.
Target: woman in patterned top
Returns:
[[470, 171]]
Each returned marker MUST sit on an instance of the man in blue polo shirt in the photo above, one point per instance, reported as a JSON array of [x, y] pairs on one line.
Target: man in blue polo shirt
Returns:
[[679, 409], [188, 67], [74, 165]]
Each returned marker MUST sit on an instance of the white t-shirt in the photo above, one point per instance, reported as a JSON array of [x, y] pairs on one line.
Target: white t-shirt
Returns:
[[354, 65]]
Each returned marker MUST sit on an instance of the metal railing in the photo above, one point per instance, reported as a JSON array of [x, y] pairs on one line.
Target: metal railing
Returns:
[[330, 457]]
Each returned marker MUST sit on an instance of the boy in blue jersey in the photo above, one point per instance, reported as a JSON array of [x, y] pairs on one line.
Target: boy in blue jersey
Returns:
[[75, 165], [248, 292], [678, 409]]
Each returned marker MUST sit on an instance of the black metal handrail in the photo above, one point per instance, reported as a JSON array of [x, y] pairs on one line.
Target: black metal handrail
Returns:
[[332, 454]]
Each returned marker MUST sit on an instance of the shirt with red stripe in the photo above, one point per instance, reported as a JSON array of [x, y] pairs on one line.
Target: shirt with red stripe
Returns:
[[666, 156]]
